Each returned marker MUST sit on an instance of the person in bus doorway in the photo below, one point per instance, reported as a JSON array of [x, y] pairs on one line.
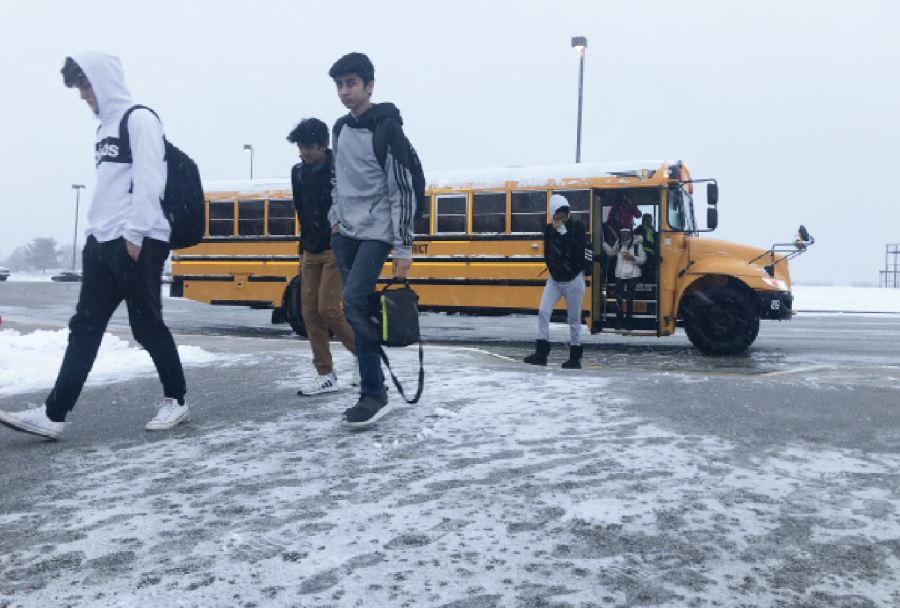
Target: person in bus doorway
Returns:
[[320, 286], [629, 254], [649, 243], [373, 210], [622, 214], [123, 257], [568, 253]]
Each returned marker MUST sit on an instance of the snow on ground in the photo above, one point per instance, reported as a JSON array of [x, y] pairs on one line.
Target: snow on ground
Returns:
[[523, 489], [846, 299], [30, 362], [30, 277]]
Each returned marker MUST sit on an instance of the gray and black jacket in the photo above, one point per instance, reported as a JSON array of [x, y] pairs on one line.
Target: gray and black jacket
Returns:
[[373, 198]]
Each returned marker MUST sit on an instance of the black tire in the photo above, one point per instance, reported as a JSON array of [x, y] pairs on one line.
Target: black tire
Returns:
[[721, 321], [290, 304]]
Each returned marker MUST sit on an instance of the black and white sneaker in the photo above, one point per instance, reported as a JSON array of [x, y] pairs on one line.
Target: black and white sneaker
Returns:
[[322, 384], [367, 411]]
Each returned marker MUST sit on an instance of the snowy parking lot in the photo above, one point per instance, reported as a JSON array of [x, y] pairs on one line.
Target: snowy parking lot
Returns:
[[506, 486]]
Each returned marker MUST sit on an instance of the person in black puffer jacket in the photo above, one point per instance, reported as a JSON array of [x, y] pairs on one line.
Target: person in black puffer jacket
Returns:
[[568, 254]]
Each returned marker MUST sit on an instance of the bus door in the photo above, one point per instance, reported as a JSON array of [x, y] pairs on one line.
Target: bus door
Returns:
[[645, 307]]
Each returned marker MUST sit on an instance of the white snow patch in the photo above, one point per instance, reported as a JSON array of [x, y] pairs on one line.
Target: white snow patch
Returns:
[[30, 362], [846, 299]]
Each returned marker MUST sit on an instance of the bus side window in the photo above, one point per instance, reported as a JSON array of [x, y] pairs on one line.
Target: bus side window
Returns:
[[489, 212], [221, 218], [281, 218], [422, 225], [251, 218], [529, 211], [451, 212]]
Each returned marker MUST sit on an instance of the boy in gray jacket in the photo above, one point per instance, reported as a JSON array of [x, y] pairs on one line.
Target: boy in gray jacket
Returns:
[[372, 212]]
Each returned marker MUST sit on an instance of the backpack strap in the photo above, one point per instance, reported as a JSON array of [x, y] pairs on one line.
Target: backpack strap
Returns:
[[124, 137], [397, 382], [380, 142]]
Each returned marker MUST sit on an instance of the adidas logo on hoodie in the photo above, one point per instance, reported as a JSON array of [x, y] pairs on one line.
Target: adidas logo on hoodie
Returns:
[[107, 151]]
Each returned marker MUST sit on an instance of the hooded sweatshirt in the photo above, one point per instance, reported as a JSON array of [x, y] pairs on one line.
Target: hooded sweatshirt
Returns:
[[373, 201], [126, 201]]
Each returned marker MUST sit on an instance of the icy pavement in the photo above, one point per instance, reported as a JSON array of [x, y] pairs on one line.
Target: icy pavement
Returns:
[[508, 486]]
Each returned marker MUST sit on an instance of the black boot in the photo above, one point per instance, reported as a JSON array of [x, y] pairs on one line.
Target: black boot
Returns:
[[542, 349], [574, 361]]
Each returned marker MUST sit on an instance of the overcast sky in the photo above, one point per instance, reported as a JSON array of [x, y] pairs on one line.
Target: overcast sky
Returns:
[[791, 105]]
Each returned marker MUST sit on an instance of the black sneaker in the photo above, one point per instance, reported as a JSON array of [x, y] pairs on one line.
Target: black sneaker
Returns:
[[367, 411]]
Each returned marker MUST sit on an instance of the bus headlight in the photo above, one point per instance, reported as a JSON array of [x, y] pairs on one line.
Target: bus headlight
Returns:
[[776, 283]]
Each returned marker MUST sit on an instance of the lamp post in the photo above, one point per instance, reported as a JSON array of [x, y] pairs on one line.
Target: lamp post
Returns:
[[249, 148], [78, 188], [580, 43]]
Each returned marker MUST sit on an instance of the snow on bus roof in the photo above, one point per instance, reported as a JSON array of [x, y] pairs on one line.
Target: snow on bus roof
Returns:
[[537, 176], [482, 178]]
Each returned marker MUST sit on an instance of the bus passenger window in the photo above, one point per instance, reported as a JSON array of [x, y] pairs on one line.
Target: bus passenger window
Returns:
[[489, 212], [281, 218], [221, 218], [529, 211], [422, 225], [451, 211], [580, 204], [251, 218]]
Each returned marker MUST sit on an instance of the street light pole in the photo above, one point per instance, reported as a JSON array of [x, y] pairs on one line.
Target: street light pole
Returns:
[[249, 148], [580, 43], [78, 188]]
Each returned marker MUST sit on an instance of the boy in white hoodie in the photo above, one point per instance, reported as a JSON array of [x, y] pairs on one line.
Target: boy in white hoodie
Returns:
[[123, 257]]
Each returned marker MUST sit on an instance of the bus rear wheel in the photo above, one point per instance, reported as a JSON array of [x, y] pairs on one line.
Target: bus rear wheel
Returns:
[[291, 306], [721, 321]]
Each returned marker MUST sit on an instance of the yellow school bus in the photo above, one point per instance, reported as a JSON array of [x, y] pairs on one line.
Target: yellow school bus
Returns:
[[479, 250]]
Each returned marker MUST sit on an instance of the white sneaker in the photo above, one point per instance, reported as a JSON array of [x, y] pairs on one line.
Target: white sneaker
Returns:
[[33, 421], [321, 384], [356, 377], [169, 416]]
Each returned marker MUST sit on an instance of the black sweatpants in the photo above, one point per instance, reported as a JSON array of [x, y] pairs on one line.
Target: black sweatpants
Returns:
[[110, 275]]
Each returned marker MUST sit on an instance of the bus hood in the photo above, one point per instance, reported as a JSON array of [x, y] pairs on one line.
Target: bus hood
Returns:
[[713, 256]]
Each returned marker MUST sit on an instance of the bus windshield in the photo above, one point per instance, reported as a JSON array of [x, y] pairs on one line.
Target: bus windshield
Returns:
[[680, 211]]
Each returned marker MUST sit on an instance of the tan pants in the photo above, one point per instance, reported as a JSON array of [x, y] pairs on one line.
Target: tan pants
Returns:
[[320, 298]]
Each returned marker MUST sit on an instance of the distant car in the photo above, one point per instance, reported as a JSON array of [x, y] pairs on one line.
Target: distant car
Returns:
[[4, 273], [66, 276]]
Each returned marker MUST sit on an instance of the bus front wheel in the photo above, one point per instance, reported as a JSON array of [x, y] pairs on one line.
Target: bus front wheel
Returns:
[[721, 321], [290, 305]]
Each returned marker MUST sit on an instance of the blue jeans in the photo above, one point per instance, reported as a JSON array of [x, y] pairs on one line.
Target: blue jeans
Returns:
[[360, 264]]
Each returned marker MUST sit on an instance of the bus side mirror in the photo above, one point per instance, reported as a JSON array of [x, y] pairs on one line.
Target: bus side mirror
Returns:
[[804, 235], [712, 218], [712, 194]]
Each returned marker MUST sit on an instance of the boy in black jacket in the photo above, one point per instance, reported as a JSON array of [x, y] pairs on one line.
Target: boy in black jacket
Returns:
[[320, 291], [568, 254]]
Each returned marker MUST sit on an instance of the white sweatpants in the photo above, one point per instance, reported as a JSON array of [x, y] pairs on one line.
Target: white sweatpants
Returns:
[[573, 292]]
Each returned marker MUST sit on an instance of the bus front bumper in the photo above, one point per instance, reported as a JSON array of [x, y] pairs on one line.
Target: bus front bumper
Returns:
[[775, 305]]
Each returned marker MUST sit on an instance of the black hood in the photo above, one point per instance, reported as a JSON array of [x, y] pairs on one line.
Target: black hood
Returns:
[[376, 113]]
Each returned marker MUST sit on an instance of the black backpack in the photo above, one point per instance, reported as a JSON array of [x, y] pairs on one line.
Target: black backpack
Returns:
[[379, 142], [182, 202], [395, 315]]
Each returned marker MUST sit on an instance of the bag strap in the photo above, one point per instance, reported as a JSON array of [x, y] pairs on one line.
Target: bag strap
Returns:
[[124, 137], [415, 399]]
